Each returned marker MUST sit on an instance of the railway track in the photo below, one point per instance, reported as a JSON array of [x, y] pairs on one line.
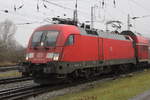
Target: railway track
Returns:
[[16, 79], [19, 92], [23, 92], [8, 68], [26, 91]]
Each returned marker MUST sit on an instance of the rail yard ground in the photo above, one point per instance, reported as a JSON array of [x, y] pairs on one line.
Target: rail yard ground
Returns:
[[13, 73], [2, 64], [123, 88]]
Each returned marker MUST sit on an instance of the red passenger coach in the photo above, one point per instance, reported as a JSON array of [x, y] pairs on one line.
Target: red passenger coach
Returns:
[[141, 45], [149, 48]]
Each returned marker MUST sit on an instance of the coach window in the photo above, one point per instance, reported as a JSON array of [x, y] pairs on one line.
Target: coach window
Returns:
[[70, 40]]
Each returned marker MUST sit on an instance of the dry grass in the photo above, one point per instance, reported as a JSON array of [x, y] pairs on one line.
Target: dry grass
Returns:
[[2, 64], [120, 89], [10, 74]]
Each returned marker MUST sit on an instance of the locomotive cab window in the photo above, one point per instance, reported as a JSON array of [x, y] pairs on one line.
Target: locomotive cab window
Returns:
[[47, 37], [50, 38], [70, 40]]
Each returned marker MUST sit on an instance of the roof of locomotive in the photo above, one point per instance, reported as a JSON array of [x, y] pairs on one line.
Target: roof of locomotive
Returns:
[[56, 26], [103, 34], [66, 29], [78, 30]]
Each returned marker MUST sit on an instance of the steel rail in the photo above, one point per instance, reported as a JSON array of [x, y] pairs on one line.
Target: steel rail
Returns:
[[8, 68], [10, 93], [14, 79]]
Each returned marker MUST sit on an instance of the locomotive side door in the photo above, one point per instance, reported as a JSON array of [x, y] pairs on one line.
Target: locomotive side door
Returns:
[[100, 49]]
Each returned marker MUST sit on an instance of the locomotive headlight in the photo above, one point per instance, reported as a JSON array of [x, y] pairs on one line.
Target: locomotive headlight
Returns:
[[27, 58], [29, 55], [56, 56], [50, 55]]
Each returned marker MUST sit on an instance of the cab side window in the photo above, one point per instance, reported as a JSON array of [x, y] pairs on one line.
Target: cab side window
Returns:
[[70, 40]]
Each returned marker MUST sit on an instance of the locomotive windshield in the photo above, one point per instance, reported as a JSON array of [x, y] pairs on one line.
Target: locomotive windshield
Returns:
[[48, 38]]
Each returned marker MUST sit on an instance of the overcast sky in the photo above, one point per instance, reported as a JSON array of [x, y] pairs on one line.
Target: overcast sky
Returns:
[[29, 14]]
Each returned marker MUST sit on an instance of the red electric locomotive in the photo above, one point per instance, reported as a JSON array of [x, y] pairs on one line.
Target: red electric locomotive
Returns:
[[59, 51]]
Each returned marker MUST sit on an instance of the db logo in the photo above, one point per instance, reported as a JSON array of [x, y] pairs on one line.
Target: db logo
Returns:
[[39, 55]]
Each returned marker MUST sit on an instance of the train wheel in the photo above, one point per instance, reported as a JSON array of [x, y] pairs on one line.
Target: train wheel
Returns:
[[25, 74], [124, 68], [87, 75], [73, 76]]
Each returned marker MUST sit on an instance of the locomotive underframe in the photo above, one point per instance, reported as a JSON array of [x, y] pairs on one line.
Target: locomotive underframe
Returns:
[[68, 67], [57, 71]]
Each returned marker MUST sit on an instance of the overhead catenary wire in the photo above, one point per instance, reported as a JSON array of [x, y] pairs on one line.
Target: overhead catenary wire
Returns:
[[134, 18], [10, 12], [61, 6], [58, 5], [114, 2], [81, 13], [24, 16], [20, 6]]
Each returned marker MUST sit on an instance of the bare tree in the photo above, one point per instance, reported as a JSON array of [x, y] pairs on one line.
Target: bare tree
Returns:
[[10, 49], [7, 31]]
